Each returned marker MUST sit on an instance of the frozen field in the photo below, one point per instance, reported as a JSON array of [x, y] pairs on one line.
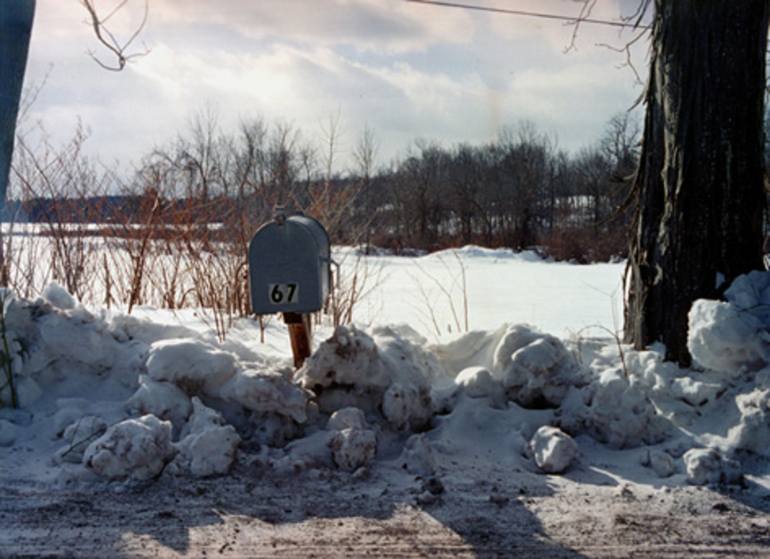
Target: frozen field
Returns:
[[529, 435], [501, 286]]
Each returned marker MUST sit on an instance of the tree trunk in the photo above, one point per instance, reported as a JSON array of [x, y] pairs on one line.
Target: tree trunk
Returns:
[[15, 28], [701, 179]]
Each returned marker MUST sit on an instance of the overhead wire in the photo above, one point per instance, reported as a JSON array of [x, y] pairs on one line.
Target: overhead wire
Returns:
[[528, 13]]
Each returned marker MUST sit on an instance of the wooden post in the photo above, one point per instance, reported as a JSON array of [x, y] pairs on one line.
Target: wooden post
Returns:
[[299, 333]]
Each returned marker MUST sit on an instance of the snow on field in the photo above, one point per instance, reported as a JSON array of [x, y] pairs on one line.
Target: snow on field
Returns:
[[501, 286], [106, 397]]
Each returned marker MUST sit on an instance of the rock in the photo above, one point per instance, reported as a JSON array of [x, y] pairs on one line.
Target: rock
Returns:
[[553, 450]]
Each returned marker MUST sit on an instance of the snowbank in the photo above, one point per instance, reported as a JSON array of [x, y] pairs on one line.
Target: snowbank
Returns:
[[535, 369]]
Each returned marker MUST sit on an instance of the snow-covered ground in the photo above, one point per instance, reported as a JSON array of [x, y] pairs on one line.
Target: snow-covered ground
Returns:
[[395, 417]]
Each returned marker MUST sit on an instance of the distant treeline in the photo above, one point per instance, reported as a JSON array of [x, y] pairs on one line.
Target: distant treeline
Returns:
[[518, 191]]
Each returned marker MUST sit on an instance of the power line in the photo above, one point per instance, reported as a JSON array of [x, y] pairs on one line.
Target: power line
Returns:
[[525, 13]]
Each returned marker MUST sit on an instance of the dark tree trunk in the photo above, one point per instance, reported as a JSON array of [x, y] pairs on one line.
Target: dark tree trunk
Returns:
[[15, 28], [701, 177]]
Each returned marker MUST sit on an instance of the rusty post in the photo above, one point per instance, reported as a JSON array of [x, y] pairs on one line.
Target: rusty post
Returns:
[[299, 333]]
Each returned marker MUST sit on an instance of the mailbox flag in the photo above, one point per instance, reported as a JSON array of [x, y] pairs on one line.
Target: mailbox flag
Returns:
[[15, 29]]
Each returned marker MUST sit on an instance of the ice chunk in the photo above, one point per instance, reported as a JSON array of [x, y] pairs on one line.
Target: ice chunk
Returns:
[[161, 399], [707, 466], [553, 450], [347, 418], [208, 445], [196, 367], [353, 448], [134, 448]]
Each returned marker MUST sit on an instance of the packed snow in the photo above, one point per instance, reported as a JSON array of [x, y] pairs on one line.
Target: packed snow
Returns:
[[105, 396]]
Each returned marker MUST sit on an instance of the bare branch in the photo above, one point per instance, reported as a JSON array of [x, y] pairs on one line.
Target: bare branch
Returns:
[[110, 41]]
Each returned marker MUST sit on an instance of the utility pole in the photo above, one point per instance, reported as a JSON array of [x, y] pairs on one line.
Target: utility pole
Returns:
[[15, 29]]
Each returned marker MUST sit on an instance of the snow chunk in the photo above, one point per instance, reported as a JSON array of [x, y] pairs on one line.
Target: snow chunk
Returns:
[[161, 399], [267, 391], [387, 371], [347, 418], [195, 366], [407, 406], [536, 368], [353, 448], [615, 410], [134, 448], [478, 382], [706, 466], [59, 297], [753, 431], [418, 458], [724, 338], [661, 463], [208, 445], [694, 392], [553, 450], [78, 436]]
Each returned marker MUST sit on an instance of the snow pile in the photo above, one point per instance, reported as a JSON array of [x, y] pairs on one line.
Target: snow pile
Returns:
[[352, 443], [207, 445], [135, 448], [552, 449], [385, 372], [732, 337], [616, 410], [535, 369]]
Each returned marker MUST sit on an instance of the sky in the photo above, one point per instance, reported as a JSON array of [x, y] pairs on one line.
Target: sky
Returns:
[[404, 70]]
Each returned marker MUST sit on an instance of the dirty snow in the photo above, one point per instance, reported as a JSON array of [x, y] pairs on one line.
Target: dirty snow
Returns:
[[110, 397]]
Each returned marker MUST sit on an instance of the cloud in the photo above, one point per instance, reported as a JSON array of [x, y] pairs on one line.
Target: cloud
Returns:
[[407, 71]]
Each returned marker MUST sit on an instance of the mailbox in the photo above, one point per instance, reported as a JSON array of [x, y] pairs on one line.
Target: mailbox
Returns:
[[289, 262]]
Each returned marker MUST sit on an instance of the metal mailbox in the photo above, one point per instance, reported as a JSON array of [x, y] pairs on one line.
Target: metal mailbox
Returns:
[[289, 262]]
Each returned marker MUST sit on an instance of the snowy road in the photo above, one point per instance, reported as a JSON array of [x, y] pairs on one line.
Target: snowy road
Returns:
[[266, 516]]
